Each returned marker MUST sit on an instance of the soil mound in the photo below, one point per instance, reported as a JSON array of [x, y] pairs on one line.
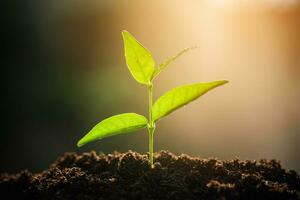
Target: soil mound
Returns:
[[127, 176]]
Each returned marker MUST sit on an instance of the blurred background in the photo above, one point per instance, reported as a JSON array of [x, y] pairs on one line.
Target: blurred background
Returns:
[[63, 70]]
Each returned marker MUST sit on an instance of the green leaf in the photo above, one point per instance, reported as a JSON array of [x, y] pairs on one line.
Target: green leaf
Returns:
[[163, 65], [114, 125], [138, 59], [181, 96]]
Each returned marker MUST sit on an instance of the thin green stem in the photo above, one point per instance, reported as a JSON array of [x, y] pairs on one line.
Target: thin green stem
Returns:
[[151, 137], [151, 126], [150, 92]]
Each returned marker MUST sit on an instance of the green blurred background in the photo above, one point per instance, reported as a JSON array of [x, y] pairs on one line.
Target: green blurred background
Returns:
[[63, 70]]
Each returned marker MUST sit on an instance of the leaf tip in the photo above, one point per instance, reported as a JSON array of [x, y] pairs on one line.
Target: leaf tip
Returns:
[[220, 82], [124, 32], [80, 143], [224, 81]]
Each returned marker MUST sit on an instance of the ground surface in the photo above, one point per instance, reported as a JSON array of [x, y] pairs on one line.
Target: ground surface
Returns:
[[127, 176]]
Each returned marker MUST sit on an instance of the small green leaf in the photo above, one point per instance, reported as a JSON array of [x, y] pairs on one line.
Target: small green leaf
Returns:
[[163, 65], [114, 125], [138, 59], [179, 97]]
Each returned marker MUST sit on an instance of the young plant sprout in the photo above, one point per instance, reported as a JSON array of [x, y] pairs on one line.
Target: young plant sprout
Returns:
[[142, 67]]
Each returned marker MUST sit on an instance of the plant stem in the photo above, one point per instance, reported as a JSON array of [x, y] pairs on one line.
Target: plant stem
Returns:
[[151, 126], [151, 134]]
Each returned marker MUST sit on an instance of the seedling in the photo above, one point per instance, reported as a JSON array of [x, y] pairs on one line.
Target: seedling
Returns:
[[142, 67]]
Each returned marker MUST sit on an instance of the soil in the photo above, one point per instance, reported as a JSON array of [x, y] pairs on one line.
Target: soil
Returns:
[[127, 176]]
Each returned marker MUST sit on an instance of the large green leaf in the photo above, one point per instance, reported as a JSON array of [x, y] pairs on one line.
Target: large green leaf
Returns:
[[114, 125], [181, 96], [138, 59], [163, 65]]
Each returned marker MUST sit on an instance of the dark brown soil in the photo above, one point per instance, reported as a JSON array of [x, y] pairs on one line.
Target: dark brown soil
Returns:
[[127, 176]]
